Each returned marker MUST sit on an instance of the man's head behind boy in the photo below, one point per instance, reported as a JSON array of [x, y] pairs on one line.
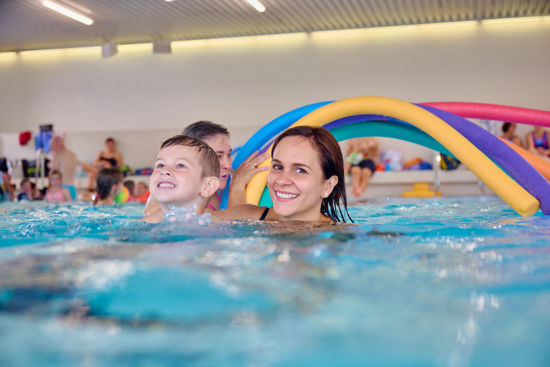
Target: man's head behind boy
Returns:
[[208, 158]]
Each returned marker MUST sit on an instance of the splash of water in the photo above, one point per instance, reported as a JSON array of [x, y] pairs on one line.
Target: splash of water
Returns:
[[187, 214]]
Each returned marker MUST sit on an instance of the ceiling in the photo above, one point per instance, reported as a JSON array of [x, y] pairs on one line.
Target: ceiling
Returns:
[[27, 25]]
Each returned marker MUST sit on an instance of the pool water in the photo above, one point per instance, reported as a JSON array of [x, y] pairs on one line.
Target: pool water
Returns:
[[442, 282]]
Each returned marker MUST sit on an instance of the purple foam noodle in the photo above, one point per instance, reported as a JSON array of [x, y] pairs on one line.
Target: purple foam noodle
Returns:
[[500, 153]]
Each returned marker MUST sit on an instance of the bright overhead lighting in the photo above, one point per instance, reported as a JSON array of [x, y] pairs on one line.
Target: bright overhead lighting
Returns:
[[514, 20], [257, 5], [67, 12]]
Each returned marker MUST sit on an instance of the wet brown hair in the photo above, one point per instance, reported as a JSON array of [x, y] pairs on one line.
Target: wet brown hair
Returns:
[[335, 206], [209, 161], [105, 180]]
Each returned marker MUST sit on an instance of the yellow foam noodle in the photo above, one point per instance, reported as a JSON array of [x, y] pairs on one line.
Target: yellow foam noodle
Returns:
[[483, 167]]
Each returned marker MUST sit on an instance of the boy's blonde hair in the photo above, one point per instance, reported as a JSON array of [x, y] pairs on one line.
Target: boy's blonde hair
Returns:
[[209, 161]]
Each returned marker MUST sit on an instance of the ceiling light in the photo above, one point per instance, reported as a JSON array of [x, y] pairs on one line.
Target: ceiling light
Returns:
[[514, 20], [67, 12], [257, 5]]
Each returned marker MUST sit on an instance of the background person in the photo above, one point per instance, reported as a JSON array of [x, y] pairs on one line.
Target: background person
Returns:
[[362, 157], [509, 133], [110, 157], [108, 185], [55, 191], [537, 142], [64, 161]]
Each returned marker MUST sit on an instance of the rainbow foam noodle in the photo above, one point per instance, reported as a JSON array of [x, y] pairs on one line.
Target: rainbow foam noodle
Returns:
[[422, 127]]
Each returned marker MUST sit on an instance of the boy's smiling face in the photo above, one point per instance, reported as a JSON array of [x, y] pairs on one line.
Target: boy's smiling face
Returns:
[[177, 177]]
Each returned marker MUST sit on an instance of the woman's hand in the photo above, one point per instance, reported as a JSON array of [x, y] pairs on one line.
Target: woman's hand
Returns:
[[242, 175]]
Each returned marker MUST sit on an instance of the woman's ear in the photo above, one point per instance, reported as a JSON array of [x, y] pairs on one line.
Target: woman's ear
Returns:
[[329, 185], [209, 186]]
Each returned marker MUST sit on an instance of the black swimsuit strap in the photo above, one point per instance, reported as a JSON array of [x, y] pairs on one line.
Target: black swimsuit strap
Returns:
[[264, 214]]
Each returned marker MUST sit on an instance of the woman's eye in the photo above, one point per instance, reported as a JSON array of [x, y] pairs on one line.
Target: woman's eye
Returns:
[[301, 170], [277, 167]]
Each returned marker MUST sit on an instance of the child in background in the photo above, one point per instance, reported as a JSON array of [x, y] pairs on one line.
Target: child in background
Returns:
[[108, 184], [56, 192], [141, 193], [186, 172], [26, 191], [130, 186]]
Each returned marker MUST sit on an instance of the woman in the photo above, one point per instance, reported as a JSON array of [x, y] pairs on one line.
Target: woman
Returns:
[[306, 181], [537, 142], [108, 158]]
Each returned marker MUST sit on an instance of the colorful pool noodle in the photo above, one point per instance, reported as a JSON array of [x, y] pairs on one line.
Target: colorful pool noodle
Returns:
[[504, 186], [516, 166], [489, 111], [505, 157], [536, 161]]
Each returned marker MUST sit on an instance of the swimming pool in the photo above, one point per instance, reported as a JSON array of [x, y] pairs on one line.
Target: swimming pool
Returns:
[[442, 282]]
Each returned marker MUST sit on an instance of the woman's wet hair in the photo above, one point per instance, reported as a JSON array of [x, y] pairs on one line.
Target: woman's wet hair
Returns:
[[209, 161], [203, 129], [335, 206], [105, 180]]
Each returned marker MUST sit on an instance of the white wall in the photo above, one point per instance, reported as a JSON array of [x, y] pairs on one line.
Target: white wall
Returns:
[[245, 83]]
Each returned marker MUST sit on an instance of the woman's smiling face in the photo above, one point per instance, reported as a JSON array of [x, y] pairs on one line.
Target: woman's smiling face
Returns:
[[296, 181]]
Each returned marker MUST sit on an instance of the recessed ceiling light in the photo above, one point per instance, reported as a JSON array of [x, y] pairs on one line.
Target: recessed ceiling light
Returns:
[[257, 5], [62, 9]]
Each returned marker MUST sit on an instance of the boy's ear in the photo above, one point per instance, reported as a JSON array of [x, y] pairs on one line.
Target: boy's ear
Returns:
[[209, 186]]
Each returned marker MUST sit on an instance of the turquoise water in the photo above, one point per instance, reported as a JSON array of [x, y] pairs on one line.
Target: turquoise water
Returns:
[[443, 282]]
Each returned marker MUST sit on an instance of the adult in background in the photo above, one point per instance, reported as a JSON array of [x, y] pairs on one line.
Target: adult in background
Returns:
[[64, 161], [110, 157], [537, 142], [362, 157], [509, 133]]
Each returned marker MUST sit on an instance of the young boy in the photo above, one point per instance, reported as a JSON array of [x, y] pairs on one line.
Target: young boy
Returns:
[[186, 172]]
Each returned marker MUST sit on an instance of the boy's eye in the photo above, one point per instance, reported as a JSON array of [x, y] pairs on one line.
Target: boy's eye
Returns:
[[159, 165], [180, 165]]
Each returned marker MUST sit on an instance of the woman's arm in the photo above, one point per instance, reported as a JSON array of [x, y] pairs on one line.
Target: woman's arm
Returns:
[[241, 212], [119, 160], [241, 177]]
